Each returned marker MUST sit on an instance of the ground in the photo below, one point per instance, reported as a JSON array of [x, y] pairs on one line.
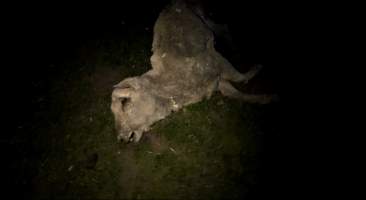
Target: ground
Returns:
[[210, 150]]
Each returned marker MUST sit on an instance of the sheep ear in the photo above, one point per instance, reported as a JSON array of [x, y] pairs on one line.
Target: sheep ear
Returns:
[[122, 85], [127, 83], [122, 92]]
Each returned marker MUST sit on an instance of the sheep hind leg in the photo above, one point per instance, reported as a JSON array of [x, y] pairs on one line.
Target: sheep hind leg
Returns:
[[231, 74], [228, 90]]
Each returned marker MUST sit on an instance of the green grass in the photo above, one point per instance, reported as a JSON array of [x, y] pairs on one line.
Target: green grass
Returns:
[[207, 150]]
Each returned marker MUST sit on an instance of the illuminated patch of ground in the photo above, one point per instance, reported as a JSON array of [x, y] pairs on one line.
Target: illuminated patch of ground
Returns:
[[208, 150]]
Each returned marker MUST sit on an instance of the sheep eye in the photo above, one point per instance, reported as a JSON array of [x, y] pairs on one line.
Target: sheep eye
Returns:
[[124, 103]]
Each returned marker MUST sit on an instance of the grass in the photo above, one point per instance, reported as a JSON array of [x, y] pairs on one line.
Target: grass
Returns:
[[209, 150]]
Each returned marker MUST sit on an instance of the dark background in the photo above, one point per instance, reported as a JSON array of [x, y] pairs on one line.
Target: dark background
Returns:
[[44, 34], [39, 35]]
